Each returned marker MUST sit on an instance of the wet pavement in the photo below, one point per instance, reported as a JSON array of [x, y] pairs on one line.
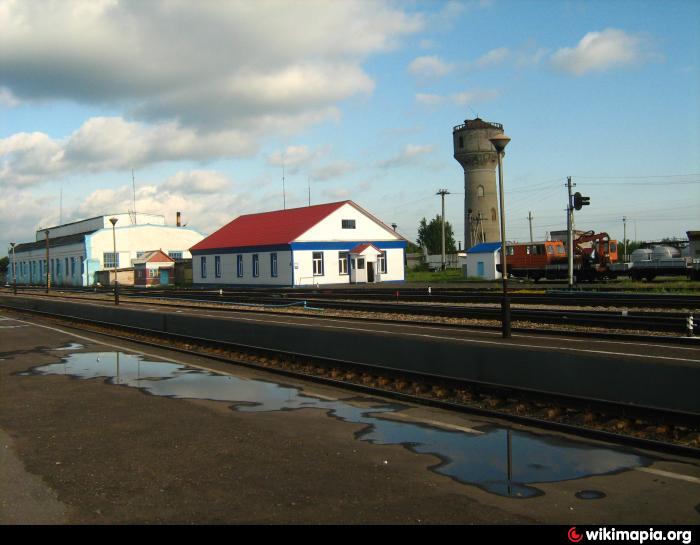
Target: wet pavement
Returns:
[[297, 455], [499, 460]]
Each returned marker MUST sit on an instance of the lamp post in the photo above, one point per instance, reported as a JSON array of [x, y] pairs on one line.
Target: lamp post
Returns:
[[113, 221], [500, 142], [14, 269]]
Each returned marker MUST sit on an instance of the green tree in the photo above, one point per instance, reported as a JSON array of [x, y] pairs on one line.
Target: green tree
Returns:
[[4, 264], [430, 235]]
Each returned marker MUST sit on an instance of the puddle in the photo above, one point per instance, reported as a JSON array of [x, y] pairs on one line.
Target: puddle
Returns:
[[71, 346], [590, 495], [499, 460]]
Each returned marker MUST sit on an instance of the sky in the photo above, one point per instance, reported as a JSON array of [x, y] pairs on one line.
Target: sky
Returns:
[[209, 102]]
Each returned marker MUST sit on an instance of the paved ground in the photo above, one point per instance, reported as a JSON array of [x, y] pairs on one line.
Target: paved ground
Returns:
[[86, 451]]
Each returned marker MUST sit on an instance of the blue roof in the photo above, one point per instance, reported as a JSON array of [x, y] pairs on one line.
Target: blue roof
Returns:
[[484, 247]]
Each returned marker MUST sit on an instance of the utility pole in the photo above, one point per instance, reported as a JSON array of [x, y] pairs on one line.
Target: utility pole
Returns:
[[624, 238], [529, 219], [442, 193], [284, 193], [48, 275], [14, 269], [570, 234]]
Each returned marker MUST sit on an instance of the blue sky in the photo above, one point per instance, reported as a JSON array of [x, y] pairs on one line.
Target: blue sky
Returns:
[[206, 101]]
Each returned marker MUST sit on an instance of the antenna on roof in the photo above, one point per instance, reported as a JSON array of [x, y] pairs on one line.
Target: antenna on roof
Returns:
[[284, 194], [133, 187], [472, 109], [60, 207]]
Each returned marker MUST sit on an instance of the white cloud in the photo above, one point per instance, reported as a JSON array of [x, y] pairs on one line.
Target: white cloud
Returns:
[[111, 143], [465, 98], [294, 158], [197, 181], [493, 57], [221, 64], [334, 170], [600, 51], [409, 155], [429, 67]]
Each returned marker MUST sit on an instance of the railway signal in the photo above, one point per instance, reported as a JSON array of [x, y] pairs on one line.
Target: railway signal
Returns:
[[580, 201]]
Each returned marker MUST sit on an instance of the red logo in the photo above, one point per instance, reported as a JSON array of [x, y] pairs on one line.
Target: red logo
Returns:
[[574, 536]]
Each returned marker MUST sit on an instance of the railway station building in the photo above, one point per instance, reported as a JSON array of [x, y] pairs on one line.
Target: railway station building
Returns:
[[78, 251], [334, 243]]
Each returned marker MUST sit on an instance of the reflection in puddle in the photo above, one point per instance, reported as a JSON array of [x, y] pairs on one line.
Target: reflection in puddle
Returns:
[[499, 460], [71, 346]]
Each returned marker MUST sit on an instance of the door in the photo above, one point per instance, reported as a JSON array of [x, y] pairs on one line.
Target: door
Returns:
[[480, 269], [164, 277], [370, 271]]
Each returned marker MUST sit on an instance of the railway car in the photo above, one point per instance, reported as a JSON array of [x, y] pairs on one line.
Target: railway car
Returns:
[[593, 255]]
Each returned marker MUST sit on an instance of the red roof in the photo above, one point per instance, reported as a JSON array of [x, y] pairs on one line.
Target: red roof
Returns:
[[362, 247], [268, 228]]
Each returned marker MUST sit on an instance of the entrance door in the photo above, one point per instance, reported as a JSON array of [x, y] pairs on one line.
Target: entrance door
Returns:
[[370, 271], [480, 269], [164, 277]]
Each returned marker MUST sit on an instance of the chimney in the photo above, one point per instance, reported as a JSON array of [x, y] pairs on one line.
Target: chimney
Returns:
[[177, 221]]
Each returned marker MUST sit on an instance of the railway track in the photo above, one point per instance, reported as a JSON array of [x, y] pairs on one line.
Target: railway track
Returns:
[[641, 427], [670, 322]]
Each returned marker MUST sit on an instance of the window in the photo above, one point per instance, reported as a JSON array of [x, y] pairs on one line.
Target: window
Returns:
[[510, 250], [343, 262], [67, 269], [461, 142], [109, 260], [139, 255], [175, 255], [273, 265], [153, 273], [72, 266], [480, 191], [82, 265], [217, 266], [493, 214], [256, 266], [318, 263], [203, 265], [348, 224], [360, 262], [239, 266], [58, 267], [381, 262]]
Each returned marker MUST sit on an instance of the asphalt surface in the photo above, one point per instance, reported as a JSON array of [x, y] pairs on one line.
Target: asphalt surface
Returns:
[[90, 451]]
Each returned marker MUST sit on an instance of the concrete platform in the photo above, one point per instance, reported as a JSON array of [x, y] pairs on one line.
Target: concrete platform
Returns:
[[100, 451]]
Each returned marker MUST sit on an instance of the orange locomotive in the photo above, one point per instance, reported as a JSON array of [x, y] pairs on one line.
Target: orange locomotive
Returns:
[[593, 254]]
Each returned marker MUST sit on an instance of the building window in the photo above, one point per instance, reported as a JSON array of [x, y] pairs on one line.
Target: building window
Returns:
[[461, 142], [153, 273], [493, 214], [381, 262], [139, 255], [72, 266], [256, 266], [109, 260], [273, 265], [203, 265], [318, 263], [82, 265], [343, 262], [217, 266], [58, 267], [480, 191], [360, 262], [175, 255], [239, 266], [348, 224]]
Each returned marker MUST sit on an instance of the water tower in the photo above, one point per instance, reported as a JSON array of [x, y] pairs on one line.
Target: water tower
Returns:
[[479, 160]]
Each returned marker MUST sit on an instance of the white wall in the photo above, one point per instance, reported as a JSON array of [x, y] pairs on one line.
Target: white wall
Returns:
[[303, 271], [490, 261], [330, 228], [141, 238], [229, 269], [26, 275]]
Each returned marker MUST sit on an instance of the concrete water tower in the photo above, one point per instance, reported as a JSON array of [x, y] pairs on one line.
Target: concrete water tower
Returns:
[[479, 160]]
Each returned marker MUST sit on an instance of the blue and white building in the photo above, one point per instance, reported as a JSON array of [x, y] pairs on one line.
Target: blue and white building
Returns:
[[80, 249], [335, 243]]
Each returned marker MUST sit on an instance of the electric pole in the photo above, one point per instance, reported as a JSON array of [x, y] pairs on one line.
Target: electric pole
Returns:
[[624, 238], [529, 219], [442, 193], [48, 276], [570, 234]]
